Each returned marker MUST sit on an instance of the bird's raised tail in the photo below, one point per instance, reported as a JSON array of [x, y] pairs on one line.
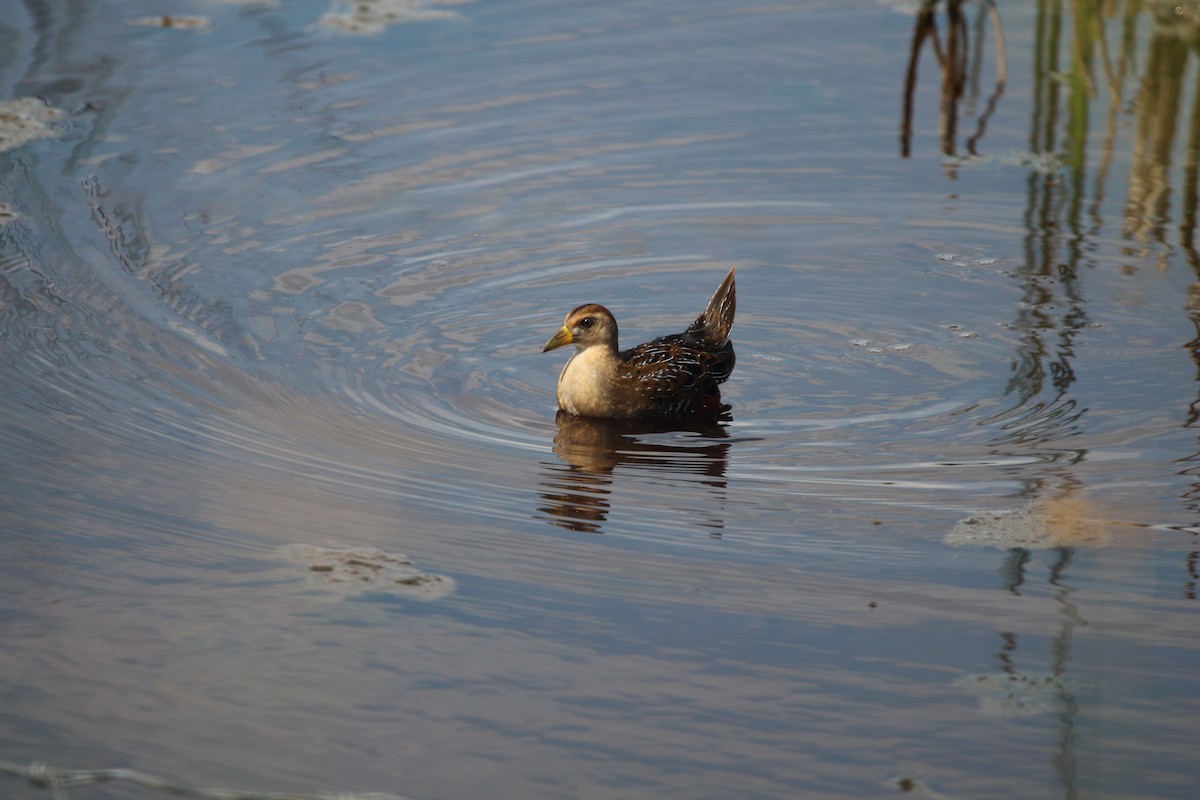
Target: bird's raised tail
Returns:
[[716, 321]]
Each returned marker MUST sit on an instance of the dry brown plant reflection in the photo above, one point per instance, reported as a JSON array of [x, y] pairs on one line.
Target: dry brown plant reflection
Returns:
[[577, 493], [960, 58]]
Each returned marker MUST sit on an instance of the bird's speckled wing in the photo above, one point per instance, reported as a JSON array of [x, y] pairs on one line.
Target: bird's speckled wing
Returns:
[[675, 375]]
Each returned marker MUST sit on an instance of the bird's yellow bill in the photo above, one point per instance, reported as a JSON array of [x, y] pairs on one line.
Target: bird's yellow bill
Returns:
[[559, 339]]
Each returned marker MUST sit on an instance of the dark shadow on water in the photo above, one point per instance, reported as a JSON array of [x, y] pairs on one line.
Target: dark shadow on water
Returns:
[[577, 493]]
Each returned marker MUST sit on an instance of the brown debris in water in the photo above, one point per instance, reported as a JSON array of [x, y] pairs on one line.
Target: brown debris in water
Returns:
[[367, 17], [172, 21], [367, 570]]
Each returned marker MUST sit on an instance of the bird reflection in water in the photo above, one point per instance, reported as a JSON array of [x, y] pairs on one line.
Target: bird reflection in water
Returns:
[[577, 493]]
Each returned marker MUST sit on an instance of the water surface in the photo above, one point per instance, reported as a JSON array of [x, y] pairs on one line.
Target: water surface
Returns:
[[276, 276]]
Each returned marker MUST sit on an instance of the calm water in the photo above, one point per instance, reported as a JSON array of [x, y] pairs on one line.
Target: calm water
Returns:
[[273, 288]]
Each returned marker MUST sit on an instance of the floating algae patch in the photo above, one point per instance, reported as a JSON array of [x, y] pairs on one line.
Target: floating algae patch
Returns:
[[366, 570], [1041, 163], [1017, 694], [1043, 524], [26, 119], [365, 17]]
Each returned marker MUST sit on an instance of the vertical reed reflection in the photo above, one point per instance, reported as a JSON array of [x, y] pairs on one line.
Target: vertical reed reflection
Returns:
[[1160, 77], [1121, 59], [1054, 689], [1052, 311], [1172, 46], [960, 59], [1147, 211], [1192, 469], [1115, 62]]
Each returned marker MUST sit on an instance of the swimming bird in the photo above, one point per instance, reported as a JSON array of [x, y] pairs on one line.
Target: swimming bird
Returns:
[[675, 375]]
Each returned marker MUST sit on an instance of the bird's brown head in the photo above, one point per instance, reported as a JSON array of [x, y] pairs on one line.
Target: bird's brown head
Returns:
[[586, 326]]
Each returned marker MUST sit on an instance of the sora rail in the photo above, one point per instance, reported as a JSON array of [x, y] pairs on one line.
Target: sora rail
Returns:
[[672, 376]]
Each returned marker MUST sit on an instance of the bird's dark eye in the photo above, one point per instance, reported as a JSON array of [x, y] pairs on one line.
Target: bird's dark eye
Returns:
[[587, 322]]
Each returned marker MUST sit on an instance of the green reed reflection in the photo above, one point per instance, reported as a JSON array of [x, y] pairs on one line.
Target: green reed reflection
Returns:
[[1136, 58], [1111, 83], [1131, 59]]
